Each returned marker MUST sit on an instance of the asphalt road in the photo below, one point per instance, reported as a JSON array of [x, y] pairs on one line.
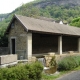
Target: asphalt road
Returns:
[[75, 75]]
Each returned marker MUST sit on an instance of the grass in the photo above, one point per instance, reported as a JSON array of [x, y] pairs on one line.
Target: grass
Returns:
[[55, 76], [78, 68]]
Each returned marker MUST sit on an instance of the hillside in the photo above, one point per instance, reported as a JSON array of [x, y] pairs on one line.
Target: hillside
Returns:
[[3, 17], [65, 10], [48, 8], [44, 3]]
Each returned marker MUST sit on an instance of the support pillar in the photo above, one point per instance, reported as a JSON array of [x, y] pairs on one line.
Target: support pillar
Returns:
[[60, 45], [29, 45], [79, 45]]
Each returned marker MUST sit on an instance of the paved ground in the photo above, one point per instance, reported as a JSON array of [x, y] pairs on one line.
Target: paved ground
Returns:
[[75, 75]]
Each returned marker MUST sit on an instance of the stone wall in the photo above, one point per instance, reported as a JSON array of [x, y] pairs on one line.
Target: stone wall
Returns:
[[60, 57], [20, 35]]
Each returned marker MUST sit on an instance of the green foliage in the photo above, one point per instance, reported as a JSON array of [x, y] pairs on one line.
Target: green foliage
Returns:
[[75, 22], [50, 77], [53, 61], [60, 12], [3, 26], [31, 71], [1, 77], [34, 9], [69, 63], [3, 41], [35, 71]]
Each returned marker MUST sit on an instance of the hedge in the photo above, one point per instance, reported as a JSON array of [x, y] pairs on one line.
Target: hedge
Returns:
[[69, 63], [31, 71]]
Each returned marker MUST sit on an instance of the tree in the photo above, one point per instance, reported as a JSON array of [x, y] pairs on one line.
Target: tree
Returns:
[[75, 22]]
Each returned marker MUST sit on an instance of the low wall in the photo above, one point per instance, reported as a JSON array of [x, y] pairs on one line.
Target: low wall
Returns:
[[60, 57], [6, 59]]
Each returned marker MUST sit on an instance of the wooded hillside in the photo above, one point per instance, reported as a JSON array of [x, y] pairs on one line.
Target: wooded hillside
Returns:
[[65, 10]]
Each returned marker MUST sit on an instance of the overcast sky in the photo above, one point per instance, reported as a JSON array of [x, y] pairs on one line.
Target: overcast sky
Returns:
[[7, 6]]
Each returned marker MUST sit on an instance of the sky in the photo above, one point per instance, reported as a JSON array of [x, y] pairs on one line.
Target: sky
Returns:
[[7, 6]]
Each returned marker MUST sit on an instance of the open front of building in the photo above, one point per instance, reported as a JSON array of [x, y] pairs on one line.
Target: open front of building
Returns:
[[46, 43], [70, 43]]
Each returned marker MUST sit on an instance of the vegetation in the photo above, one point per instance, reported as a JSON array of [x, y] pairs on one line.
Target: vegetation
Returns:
[[75, 22], [61, 12], [66, 12], [3, 41], [53, 62], [3, 27], [53, 76], [66, 65], [69, 63], [31, 71]]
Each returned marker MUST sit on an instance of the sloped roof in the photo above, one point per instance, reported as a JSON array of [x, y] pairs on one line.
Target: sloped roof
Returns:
[[32, 24]]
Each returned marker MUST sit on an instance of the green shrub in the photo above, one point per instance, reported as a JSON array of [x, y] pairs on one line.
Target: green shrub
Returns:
[[17, 73], [69, 63], [31, 71], [10, 75], [77, 59], [35, 71], [3, 72], [53, 61], [1, 76], [24, 74]]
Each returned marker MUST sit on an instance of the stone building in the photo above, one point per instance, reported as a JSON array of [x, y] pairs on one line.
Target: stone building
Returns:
[[34, 37]]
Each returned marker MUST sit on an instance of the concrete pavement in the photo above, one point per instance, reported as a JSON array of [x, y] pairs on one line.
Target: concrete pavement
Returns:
[[74, 75]]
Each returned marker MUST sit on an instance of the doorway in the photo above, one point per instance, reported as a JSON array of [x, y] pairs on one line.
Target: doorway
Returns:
[[13, 46]]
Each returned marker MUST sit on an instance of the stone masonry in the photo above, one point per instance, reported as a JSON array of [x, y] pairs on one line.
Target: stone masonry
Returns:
[[20, 36]]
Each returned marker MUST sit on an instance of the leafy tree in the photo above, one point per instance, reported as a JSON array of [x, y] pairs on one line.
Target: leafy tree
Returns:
[[37, 8], [3, 41], [75, 22]]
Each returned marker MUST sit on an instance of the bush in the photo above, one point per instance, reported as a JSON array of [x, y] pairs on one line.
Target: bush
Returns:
[[3, 73], [69, 63], [77, 59], [35, 71], [1, 77], [53, 62], [31, 71]]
